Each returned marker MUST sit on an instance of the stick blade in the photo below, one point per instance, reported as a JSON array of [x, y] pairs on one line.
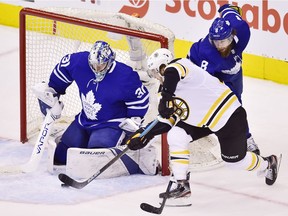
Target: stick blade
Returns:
[[68, 181], [151, 209]]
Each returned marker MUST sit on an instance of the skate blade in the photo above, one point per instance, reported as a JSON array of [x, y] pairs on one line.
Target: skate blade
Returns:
[[279, 162], [179, 202]]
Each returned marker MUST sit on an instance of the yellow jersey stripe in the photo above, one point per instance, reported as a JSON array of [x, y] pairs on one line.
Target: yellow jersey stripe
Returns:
[[255, 163], [185, 152], [182, 70], [223, 110], [213, 107], [181, 161]]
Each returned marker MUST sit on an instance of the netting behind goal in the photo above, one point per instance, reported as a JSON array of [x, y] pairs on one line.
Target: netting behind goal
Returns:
[[48, 34]]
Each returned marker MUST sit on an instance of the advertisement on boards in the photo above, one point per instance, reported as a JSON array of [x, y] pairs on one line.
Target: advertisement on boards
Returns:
[[191, 19]]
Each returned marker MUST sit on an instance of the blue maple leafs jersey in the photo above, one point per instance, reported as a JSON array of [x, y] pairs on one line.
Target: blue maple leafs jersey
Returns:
[[118, 96], [227, 69]]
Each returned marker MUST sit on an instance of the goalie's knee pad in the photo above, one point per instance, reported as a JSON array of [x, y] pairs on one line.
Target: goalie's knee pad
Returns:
[[148, 162]]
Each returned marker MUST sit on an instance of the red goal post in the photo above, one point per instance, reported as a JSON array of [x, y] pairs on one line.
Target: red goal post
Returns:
[[47, 35]]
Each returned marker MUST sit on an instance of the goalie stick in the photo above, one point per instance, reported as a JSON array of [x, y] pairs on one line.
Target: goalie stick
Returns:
[[152, 209], [68, 181], [38, 149]]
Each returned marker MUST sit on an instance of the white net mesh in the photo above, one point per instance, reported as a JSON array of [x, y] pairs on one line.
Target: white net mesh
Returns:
[[47, 41], [205, 154]]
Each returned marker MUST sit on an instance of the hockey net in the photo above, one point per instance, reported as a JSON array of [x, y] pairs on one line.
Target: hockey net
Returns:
[[48, 34]]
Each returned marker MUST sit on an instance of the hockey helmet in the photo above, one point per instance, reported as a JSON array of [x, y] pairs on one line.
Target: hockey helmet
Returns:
[[100, 59], [221, 33], [160, 57], [220, 29]]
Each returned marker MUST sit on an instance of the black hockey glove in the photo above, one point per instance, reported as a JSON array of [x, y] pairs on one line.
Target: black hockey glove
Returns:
[[136, 142], [234, 7], [166, 105]]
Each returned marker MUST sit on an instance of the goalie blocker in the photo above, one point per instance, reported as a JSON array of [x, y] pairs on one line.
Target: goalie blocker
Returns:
[[82, 163]]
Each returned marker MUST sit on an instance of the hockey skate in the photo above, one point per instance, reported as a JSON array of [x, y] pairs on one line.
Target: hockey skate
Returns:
[[180, 193], [252, 146], [273, 168]]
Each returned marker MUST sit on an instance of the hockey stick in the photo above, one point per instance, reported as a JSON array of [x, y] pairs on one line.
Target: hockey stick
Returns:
[[152, 209], [68, 181], [38, 150]]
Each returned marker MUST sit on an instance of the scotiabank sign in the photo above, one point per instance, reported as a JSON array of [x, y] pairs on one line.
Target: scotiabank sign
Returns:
[[191, 19]]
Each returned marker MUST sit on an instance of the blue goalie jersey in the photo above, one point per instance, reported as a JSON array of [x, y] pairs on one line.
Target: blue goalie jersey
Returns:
[[118, 96], [227, 69]]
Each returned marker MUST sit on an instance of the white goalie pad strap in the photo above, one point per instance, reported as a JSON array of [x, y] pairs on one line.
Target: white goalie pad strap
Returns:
[[83, 163], [45, 93]]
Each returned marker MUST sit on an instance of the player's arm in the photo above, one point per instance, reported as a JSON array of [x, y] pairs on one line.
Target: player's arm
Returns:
[[163, 125], [171, 79], [230, 9], [241, 28], [48, 94], [60, 77], [136, 100], [136, 95]]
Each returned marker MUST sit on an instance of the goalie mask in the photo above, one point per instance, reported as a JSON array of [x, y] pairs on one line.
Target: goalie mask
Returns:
[[157, 60], [100, 59]]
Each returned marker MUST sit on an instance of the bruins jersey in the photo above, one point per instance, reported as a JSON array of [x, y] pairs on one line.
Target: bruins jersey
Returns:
[[206, 101]]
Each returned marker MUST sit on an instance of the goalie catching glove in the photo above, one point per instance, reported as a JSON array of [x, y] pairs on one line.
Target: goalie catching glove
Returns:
[[48, 99]]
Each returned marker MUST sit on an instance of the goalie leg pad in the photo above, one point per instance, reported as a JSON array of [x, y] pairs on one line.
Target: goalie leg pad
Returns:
[[83, 163], [148, 162], [51, 167]]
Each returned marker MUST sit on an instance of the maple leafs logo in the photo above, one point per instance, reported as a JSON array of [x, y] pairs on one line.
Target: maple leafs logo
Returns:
[[89, 106]]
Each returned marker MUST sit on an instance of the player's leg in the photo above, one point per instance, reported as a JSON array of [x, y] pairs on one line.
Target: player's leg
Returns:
[[237, 88], [251, 144], [232, 139], [106, 137], [74, 136], [180, 193]]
